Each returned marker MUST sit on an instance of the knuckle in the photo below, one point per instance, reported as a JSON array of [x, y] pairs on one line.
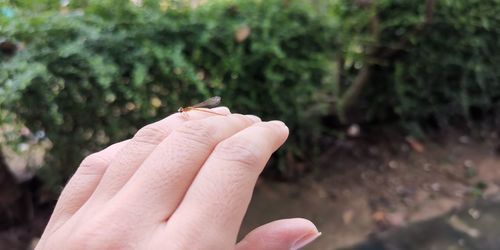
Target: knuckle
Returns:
[[240, 151], [151, 134], [198, 131], [240, 117], [94, 160]]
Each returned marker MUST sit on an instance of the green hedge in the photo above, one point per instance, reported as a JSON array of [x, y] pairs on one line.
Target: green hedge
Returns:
[[453, 68], [93, 76], [89, 80], [446, 72]]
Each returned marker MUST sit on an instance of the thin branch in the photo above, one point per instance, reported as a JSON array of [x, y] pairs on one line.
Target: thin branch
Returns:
[[363, 77], [339, 68], [353, 92]]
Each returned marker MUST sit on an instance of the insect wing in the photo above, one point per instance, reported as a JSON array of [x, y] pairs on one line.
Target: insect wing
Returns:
[[209, 103]]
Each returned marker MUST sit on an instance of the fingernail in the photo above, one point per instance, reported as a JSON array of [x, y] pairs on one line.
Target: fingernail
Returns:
[[254, 118], [304, 240]]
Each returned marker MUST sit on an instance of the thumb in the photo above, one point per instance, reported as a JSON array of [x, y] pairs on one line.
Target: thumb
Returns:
[[287, 234]]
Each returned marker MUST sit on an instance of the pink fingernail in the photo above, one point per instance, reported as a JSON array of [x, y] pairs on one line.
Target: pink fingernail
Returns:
[[304, 240]]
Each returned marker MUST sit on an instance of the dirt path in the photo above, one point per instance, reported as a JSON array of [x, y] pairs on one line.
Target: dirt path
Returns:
[[381, 188], [457, 230]]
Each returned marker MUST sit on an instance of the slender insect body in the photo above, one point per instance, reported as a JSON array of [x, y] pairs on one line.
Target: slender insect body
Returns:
[[202, 106]]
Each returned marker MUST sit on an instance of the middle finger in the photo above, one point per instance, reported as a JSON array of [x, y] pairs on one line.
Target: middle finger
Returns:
[[162, 180]]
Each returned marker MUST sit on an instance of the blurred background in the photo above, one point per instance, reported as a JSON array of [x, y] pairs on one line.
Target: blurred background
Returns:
[[392, 105]]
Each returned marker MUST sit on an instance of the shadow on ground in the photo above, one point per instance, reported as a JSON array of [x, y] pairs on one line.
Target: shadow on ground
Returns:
[[386, 196], [473, 228]]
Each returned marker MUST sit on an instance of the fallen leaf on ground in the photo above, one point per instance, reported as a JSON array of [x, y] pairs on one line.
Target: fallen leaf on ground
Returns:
[[396, 219], [347, 216], [460, 226], [415, 144], [378, 216]]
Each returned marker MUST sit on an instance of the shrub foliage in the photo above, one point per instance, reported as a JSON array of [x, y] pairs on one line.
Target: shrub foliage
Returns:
[[92, 75], [88, 80]]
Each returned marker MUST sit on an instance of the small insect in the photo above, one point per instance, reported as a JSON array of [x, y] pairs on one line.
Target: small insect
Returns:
[[202, 106]]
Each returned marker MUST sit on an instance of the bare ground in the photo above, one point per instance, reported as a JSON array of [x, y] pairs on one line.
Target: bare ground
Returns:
[[363, 189]]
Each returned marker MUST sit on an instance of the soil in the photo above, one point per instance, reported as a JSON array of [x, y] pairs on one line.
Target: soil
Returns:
[[361, 188], [474, 227]]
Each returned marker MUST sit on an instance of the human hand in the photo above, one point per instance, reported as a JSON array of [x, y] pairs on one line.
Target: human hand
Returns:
[[184, 182]]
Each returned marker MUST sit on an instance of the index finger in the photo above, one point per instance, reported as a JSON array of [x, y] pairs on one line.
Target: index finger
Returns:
[[219, 196], [138, 149]]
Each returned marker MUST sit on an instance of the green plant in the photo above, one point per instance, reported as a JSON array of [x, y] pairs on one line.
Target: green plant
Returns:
[[451, 69], [418, 63], [92, 74], [92, 79]]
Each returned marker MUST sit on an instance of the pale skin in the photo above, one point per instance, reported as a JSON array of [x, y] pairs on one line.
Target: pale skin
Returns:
[[183, 182]]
